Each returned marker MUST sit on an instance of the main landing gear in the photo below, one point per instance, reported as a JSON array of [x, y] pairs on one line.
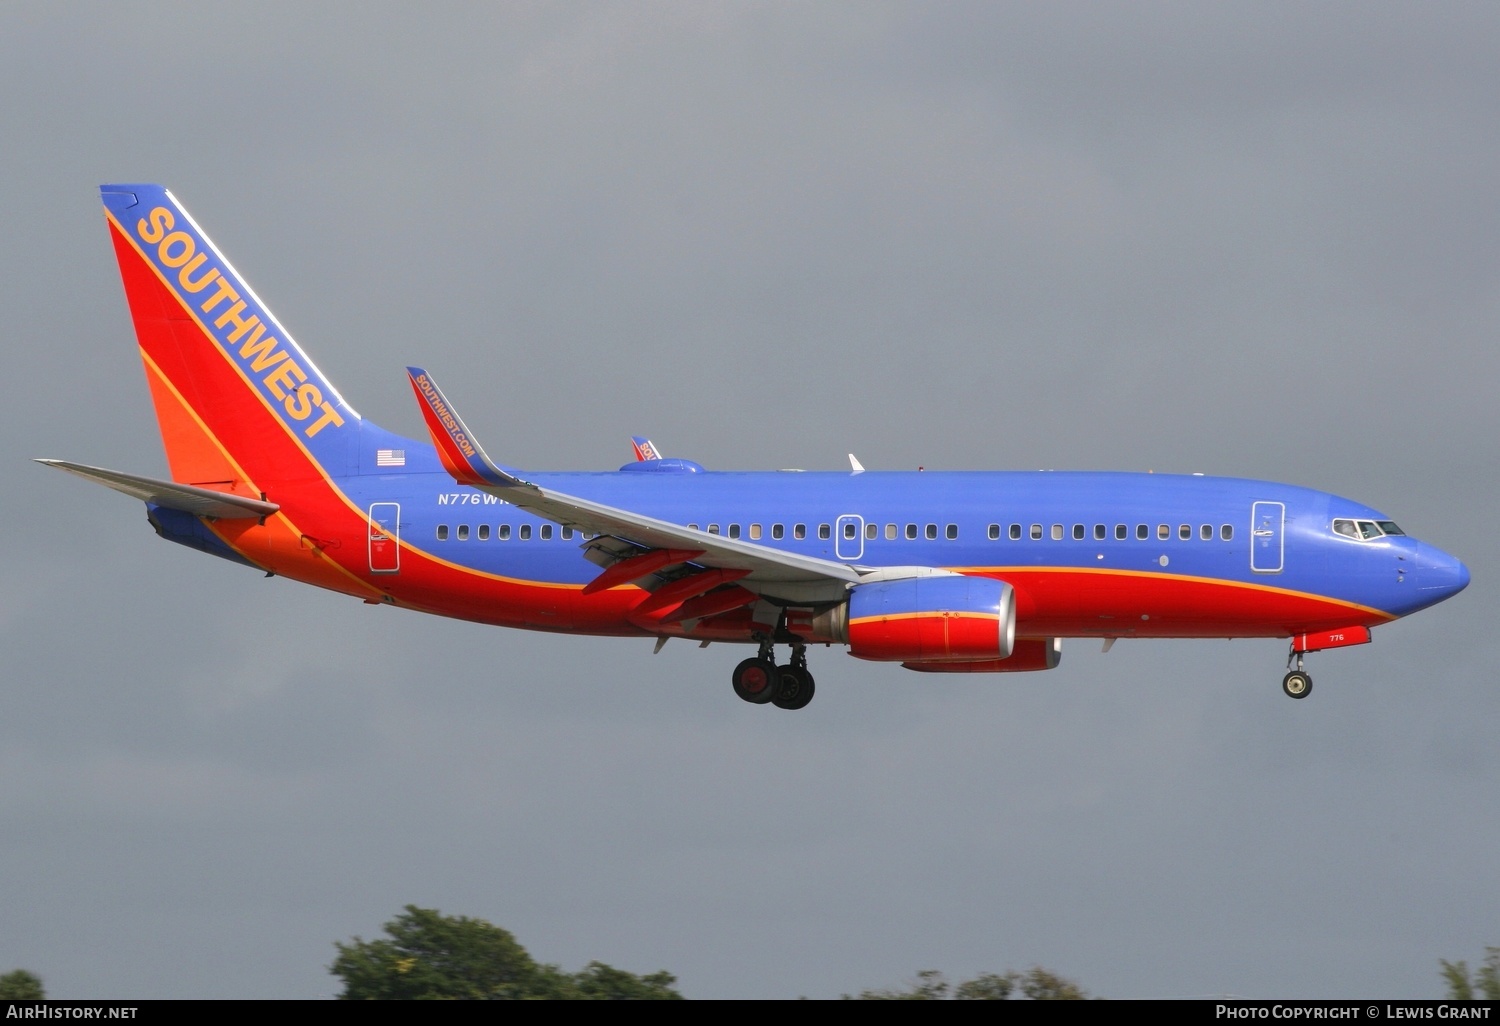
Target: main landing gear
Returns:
[[759, 680], [1298, 683]]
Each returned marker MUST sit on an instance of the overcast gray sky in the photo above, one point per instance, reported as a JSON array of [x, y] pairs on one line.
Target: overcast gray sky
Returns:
[[1258, 240]]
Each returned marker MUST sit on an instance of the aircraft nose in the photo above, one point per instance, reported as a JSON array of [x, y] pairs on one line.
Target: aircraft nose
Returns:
[[1439, 575]]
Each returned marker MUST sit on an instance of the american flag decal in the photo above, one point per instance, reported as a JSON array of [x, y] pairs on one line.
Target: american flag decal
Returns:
[[390, 457]]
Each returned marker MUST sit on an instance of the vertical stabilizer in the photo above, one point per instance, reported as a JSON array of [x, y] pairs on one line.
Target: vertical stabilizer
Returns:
[[239, 403]]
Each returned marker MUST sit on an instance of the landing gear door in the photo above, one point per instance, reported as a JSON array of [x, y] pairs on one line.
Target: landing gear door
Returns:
[[1267, 537], [385, 537], [849, 536]]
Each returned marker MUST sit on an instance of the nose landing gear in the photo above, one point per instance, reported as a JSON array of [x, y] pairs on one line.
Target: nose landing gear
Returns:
[[759, 680], [1298, 683]]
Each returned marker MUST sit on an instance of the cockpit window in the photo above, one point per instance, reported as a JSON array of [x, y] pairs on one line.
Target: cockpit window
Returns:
[[1363, 530], [1390, 528]]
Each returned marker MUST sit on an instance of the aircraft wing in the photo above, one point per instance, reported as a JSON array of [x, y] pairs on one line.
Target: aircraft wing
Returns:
[[467, 462], [200, 502]]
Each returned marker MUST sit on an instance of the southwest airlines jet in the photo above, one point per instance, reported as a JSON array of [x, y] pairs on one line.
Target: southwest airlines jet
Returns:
[[941, 572]]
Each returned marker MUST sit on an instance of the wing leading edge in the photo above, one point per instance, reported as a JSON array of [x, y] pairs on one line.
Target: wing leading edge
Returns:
[[463, 457]]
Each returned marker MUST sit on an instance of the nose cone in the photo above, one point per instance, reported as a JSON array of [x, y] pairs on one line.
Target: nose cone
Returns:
[[1439, 575]]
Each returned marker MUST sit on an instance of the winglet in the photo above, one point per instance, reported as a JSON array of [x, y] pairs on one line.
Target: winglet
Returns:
[[855, 466], [461, 455], [644, 449]]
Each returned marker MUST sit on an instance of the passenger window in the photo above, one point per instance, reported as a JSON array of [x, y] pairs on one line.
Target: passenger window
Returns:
[[692, 527], [755, 532], [734, 530], [484, 532], [932, 532], [713, 528], [911, 531], [850, 531], [525, 532], [799, 531], [1185, 532], [1099, 532], [1121, 532], [1057, 532], [567, 533], [1163, 531], [825, 532], [1078, 532], [994, 532], [778, 531], [1036, 532], [890, 532], [442, 532], [1015, 532], [1227, 532], [463, 532], [546, 532], [503, 532], [1142, 532], [1206, 532], [951, 531], [871, 530]]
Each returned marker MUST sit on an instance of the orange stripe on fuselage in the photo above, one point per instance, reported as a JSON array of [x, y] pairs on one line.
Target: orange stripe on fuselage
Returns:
[[1081, 601]]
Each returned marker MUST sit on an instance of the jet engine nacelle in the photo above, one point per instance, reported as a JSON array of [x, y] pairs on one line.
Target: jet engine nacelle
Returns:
[[921, 619], [1028, 654]]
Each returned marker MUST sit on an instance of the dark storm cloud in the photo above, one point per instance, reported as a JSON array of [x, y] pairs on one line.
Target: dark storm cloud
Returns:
[[1255, 241]]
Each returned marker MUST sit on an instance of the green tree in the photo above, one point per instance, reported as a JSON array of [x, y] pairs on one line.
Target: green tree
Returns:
[[599, 982], [427, 955], [1044, 985], [987, 987], [1036, 983], [931, 985], [21, 985], [1461, 987]]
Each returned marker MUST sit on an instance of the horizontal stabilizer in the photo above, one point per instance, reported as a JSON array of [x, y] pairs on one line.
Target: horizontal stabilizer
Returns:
[[200, 502]]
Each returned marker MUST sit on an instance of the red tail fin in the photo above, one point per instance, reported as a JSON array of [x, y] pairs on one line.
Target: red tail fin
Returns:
[[239, 403]]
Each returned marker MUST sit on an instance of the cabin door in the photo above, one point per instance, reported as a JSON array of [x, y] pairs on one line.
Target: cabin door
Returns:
[[1267, 537], [385, 537]]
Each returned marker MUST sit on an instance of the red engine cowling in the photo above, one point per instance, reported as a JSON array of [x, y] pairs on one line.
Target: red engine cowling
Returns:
[[932, 619], [1028, 654]]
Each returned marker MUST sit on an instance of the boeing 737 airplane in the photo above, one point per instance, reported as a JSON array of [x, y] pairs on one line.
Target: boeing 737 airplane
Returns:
[[962, 572]]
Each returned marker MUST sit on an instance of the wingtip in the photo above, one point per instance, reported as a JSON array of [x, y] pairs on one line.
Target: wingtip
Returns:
[[458, 450]]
